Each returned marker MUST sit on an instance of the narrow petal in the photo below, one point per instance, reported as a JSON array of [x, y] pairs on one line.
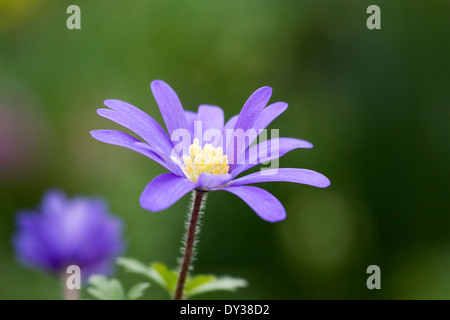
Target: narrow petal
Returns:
[[170, 106], [153, 131], [164, 190], [230, 123], [229, 126], [246, 119], [262, 202], [212, 117], [191, 117], [168, 160], [266, 151], [252, 108], [207, 181], [211, 123], [125, 140], [268, 114], [303, 176], [146, 132]]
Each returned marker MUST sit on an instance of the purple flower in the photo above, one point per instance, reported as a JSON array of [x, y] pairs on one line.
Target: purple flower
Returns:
[[78, 231], [195, 164]]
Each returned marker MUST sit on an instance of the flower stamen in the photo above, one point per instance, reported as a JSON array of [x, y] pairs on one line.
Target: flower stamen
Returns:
[[206, 160]]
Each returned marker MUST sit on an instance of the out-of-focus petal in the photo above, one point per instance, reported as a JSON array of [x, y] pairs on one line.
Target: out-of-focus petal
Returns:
[[67, 231], [30, 247], [262, 202], [53, 202], [164, 190]]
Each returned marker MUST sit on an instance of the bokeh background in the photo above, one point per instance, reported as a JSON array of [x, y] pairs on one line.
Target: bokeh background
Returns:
[[375, 103]]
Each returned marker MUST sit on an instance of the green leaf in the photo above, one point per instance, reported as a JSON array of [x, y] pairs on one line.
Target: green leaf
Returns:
[[192, 283], [224, 283], [169, 277], [105, 289], [136, 266], [137, 290], [157, 272]]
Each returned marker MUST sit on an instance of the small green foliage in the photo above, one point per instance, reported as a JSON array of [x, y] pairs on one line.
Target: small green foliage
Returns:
[[200, 280], [224, 283], [170, 277], [138, 267], [103, 288], [137, 290], [167, 279]]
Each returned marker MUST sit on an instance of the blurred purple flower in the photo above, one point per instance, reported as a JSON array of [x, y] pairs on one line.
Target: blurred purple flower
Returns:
[[78, 231], [210, 166]]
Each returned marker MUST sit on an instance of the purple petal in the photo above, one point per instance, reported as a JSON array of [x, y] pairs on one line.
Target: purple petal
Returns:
[[229, 126], [207, 181], [262, 202], [157, 142], [211, 123], [53, 202], [212, 117], [246, 119], [30, 246], [268, 114], [230, 123], [170, 106], [303, 176], [67, 231], [142, 119], [191, 117], [125, 140], [252, 108], [266, 151], [165, 190], [169, 163]]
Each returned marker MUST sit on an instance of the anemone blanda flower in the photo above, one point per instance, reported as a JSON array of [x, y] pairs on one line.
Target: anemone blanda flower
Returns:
[[195, 164], [63, 232]]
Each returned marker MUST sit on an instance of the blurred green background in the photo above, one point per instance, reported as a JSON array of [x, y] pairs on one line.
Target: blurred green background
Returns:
[[375, 104]]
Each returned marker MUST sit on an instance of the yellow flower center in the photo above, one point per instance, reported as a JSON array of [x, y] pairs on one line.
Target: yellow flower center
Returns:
[[209, 160]]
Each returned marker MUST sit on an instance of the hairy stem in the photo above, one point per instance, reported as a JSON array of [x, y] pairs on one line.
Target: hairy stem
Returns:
[[190, 241]]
